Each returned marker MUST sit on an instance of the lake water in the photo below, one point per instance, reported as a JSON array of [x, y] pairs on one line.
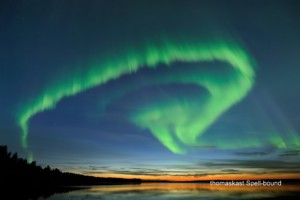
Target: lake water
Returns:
[[189, 191]]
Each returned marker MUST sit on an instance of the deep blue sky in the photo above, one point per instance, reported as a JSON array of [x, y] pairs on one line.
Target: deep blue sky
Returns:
[[43, 41]]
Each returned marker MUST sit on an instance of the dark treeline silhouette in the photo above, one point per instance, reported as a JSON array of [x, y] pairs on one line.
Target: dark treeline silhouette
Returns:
[[16, 170], [17, 173]]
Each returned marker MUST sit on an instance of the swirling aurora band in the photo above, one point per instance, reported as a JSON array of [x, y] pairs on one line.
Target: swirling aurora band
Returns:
[[185, 130]]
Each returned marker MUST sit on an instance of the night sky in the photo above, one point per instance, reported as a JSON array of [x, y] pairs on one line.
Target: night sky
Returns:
[[163, 89]]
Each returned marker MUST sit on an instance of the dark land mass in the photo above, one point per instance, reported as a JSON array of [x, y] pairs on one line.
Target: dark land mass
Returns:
[[30, 181]]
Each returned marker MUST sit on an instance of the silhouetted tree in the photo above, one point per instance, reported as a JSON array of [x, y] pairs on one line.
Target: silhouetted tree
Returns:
[[36, 181], [17, 171]]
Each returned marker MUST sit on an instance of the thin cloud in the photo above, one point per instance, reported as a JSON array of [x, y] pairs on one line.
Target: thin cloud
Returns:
[[254, 164], [290, 153]]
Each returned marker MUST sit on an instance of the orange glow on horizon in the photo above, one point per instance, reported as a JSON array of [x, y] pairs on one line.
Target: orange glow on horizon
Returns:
[[202, 178]]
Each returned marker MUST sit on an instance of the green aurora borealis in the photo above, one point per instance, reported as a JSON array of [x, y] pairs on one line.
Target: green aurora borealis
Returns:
[[175, 123], [171, 87], [187, 123]]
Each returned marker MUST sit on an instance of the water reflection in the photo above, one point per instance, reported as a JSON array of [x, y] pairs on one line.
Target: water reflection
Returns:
[[163, 191]]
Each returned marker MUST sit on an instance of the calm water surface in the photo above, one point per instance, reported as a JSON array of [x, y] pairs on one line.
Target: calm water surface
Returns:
[[163, 191]]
